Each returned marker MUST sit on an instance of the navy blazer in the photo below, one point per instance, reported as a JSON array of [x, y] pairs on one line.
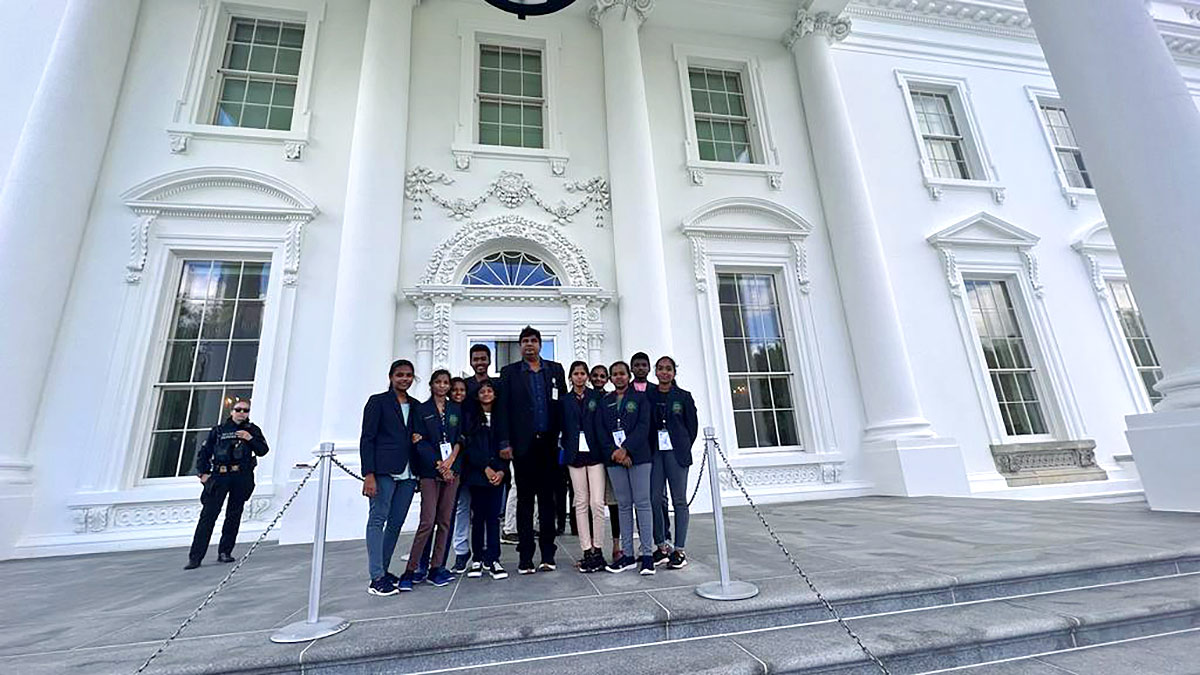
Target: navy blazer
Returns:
[[481, 445], [385, 445], [579, 415], [515, 405], [674, 411], [634, 418], [433, 429]]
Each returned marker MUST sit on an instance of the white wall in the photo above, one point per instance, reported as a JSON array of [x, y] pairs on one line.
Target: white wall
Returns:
[[27, 33]]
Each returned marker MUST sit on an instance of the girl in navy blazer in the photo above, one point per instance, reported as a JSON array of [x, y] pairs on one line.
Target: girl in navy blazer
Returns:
[[484, 473], [623, 431], [436, 428], [585, 464], [386, 451], [673, 431]]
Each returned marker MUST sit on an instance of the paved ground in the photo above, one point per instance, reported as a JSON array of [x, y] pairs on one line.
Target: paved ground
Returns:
[[107, 612]]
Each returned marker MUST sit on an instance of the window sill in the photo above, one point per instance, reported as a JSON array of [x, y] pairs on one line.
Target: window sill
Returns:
[[293, 143], [698, 170], [936, 186], [1072, 194], [465, 154]]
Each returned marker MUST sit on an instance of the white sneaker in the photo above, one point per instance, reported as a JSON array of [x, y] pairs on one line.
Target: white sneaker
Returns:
[[497, 571], [475, 570]]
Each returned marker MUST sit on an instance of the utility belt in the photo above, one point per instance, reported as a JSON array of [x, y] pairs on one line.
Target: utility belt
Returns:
[[227, 468]]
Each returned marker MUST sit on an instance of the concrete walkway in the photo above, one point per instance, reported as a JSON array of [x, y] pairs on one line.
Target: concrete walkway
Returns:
[[106, 613]]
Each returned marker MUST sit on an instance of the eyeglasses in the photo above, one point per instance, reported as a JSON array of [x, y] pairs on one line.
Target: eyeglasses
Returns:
[[241, 410]]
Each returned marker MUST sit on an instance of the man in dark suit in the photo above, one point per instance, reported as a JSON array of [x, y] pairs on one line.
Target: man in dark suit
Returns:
[[530, 420]]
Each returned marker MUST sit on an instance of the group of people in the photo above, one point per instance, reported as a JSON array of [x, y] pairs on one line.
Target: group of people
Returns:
[[477, 442]]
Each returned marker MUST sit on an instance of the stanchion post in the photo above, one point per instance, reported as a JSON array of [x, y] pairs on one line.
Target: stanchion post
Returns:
[[725, 589], [314, 626]]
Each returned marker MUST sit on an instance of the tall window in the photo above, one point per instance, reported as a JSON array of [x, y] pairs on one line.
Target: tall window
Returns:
[[1012, 372], [759, 372], [212, 348], [1065, 146], [256, 83], [941, 135], [722, 116], [1136, 337], [511, 97], [510, 268]]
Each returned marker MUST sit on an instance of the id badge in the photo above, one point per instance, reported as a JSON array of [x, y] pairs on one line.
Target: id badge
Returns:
[[664, 440], [553, 389], [583, 446], [446, 449], [619, 437]]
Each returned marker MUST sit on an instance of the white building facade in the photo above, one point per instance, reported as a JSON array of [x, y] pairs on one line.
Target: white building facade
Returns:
[[867, 232]]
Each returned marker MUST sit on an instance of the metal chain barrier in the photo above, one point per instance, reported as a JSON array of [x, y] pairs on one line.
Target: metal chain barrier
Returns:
[[699, 478], [795, 565], [338, 463], [253, 547]]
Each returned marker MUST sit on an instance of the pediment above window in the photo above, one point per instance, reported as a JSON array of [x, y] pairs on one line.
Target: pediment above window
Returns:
[[220, 192], [1095, 238], [984, 229], [745, 217]]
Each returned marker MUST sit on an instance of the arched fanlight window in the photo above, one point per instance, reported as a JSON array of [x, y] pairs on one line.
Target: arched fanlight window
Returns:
[[510, 268]]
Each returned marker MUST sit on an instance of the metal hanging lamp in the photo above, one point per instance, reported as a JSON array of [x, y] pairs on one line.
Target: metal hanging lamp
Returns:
[[524, 8]]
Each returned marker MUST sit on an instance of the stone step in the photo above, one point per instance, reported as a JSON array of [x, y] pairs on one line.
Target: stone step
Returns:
[[1097, 630], [532, 630]]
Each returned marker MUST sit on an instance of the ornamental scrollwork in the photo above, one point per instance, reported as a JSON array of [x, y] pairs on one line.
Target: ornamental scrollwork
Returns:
[[512, 190]]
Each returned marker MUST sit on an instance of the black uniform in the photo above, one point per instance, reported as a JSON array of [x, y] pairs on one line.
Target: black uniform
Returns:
[[230, 461]]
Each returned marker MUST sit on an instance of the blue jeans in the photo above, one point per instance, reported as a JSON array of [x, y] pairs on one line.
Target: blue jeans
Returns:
[[388, 508], [462, 521]]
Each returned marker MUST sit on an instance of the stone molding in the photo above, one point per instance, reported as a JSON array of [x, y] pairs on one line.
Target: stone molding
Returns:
[[163, 196], [104, 517], [512, 190], [1047, 463], [777, 476], [641, 8], [834, 28]]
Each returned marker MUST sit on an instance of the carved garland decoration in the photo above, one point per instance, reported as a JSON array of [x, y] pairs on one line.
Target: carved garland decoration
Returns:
[[641, 8], [96, 519], [835, 28], [806, 474], [512, 190]]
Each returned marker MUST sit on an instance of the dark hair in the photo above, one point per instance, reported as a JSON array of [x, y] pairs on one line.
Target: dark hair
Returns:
[[618, 363], [530, 331], [436, 374], [600, 366], [640, 355], [580, 364], [486, 384], [477, 347], [457, 379], [674, 366], [398, 363]]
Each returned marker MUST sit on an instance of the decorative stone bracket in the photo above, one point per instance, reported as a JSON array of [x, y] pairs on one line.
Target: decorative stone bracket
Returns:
[[106, 517], [1047, 463]]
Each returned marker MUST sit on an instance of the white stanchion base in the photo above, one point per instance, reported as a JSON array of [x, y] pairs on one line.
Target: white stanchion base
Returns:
[[303, 631], [736, 590]]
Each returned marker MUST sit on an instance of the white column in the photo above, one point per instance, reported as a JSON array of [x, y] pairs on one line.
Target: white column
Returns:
[[912, 463], [1140, 134], [362, 339], [45, 202], [637, 225]]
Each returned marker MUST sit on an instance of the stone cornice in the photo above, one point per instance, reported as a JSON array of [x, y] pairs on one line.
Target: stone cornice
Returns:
[[641, 8], [834, 28], [1000, 19]]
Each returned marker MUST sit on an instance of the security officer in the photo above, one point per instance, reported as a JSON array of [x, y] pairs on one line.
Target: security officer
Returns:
[[225, 465]]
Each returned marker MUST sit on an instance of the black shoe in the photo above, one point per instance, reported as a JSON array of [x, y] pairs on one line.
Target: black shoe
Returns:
[[660, 557], [460, 563], [192, 564], [598, 561], [383, 587], [509, 539], [647, 566], [678, 560], [621, 564], [547, 566], [224, 558], [526, 568], [587, 563], [395, 580]]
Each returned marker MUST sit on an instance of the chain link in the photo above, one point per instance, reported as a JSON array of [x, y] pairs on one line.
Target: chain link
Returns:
[[234, 569], [795, 565], [338, 463], [699, 478]]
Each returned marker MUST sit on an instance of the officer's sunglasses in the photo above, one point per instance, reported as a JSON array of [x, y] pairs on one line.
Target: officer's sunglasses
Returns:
[[241, 410]]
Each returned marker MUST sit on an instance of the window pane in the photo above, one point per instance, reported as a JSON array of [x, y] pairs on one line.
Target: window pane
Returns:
[[262, 59], [218, 319], [242, 356], [164, 454], [489, 81], [234, 89], [760, 392], [206, 409], [254, 116], [288, 62], [267, 33], [172, 409], [744, 423], [248, 324], [764, 423], [489, 57], [731, 321], [740, 390], [292, 36], [708, 151], [786, 422], [782, 392], [727, 289], [735, 356], [210, 361], [192, 441], [239, 57], [1007, 360], [533, 138], [259, 91], [280, 119], [178, 363]]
